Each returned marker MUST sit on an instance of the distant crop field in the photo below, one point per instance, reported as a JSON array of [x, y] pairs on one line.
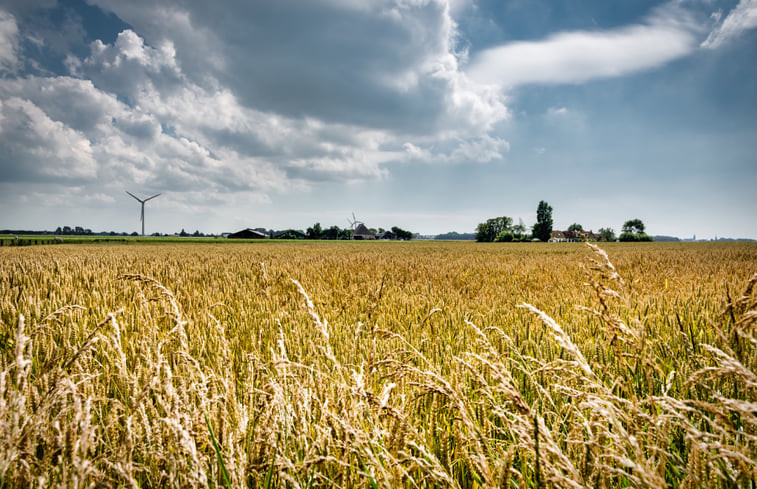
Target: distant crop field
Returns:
[[355, 364], [49, 239]]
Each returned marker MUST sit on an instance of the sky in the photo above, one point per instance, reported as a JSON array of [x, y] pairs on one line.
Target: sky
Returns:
[[430, 115]]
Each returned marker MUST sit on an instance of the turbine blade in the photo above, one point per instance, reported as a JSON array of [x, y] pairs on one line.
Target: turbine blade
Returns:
[[151, 197], [142, 214], [140, 200]]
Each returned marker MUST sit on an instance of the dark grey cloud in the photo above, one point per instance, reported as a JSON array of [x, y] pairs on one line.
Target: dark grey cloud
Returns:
[[378, 64]]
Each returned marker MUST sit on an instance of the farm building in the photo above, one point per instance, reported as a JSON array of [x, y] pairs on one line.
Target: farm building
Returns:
[[248, 234], [362, 232]]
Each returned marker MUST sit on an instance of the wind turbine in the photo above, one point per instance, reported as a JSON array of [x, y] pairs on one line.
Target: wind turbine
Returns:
[[142, 214], [353, 222]]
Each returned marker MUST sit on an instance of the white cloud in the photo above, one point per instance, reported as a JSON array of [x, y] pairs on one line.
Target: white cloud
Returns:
[[8, 42], [200, 99], [38, 147], [483, 149], [576, 57], [220, 116], [557, 112], [739, 20], [129, 67], [66, 128]]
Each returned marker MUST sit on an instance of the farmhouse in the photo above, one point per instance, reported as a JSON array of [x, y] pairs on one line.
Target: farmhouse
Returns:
[[362, 232], [248, 234]]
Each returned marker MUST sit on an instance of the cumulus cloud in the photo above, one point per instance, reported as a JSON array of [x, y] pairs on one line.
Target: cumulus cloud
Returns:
[[39, 148], [416, 87], [246, 100], [576, 57], [383, 64], [742, 18], [66, 128], [128, 67]]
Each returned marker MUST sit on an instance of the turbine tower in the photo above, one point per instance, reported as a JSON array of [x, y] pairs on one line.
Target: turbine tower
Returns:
[[142, 214]]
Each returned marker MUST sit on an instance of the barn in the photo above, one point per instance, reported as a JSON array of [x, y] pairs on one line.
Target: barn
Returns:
[[248, 234]]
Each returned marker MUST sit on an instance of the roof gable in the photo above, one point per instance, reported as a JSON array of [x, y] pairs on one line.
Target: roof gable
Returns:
[[361, 230]]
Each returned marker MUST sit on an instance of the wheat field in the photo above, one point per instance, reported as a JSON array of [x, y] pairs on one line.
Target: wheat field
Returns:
[[343, 364]]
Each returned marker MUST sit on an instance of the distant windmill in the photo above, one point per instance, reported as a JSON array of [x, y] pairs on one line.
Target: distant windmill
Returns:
[[354, 222], [142, 214]]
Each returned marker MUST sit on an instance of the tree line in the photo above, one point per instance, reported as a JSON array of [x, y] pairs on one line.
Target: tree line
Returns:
[[502, 229], [335, 232]]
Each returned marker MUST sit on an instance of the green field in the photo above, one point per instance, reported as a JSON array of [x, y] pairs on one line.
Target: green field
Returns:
[[378, 364]]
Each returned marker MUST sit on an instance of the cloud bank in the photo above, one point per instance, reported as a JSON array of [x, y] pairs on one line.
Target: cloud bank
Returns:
[[576, 57], [252, 97]]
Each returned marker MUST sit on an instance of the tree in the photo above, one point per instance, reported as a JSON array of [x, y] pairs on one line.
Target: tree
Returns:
[[519, 229], [608, 234], [331, 233], [633, 226], [633, 230], [314, 232], [635, 237], [402, 234], [575, 227], [489, 230], [484, 233], [543, 227]]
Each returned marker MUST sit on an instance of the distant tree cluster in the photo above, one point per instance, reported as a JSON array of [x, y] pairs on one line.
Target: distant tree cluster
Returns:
[[76, 231], [455, 236], [633, 230], [608, 234], [501, 229], [316, 231], [184, 234]]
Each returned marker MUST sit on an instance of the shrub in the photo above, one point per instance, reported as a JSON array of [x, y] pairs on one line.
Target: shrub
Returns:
[[635, 237]]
